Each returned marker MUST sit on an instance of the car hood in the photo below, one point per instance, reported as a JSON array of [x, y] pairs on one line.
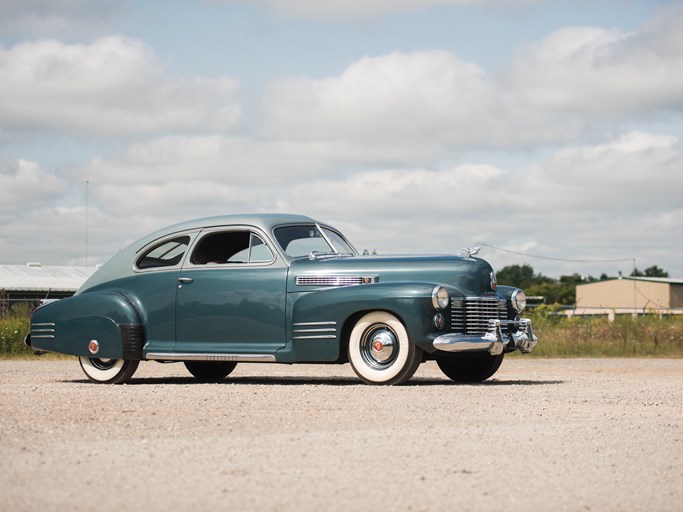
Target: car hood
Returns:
[[472, 276]]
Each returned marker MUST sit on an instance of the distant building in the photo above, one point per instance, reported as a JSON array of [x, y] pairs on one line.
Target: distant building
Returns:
[[34, 282], [630, 295]]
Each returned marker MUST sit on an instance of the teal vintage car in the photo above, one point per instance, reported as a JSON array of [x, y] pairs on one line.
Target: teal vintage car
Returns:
[[283, 289]]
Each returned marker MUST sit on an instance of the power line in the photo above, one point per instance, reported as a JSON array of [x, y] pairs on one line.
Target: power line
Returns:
[[557, 259]]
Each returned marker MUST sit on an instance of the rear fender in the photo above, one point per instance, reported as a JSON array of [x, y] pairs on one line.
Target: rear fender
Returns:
[[70, 325]]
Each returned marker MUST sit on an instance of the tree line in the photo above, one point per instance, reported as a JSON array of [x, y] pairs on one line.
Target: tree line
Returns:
[[558, 291]]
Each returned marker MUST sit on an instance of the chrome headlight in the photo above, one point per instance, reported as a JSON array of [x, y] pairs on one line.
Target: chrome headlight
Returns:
[[440, 297], [518, 300]]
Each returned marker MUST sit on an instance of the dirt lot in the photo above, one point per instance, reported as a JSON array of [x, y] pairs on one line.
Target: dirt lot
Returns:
[[573, 435]]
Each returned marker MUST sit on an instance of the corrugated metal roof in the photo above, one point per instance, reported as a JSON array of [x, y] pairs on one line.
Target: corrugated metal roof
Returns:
[[668, 280], [34, 277], [665, 280]]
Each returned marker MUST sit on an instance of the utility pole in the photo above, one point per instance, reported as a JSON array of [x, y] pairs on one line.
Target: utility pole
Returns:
[[86, 223]]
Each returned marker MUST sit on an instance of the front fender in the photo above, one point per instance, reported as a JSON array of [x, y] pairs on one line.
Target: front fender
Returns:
[[69, 325], [411, 302]]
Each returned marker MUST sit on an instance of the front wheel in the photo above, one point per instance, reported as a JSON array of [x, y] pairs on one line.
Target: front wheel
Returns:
[[470, 369], [210, 371], [380, 351], [108, 371]]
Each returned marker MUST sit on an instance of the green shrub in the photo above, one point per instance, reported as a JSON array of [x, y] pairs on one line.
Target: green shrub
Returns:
[[13, 329]]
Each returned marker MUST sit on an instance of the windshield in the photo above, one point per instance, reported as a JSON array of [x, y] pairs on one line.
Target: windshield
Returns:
[[298, 241]]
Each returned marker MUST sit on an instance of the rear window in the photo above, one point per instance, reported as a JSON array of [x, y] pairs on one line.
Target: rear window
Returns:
[[168, 253]]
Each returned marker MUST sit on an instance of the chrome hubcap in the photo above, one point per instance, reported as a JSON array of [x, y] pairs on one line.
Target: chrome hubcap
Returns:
[[379, 347]]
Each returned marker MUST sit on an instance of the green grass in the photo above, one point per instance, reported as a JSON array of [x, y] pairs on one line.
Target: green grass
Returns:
[[643, 336], [626, 336], [13, 329]]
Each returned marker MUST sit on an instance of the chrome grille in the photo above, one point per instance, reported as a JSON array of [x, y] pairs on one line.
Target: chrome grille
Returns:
[[472, 315]]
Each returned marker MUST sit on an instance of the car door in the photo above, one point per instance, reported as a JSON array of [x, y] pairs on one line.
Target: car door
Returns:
[[231, 295]]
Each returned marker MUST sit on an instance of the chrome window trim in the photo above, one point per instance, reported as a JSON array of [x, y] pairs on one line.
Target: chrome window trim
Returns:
[[253, 230], [283, 253]]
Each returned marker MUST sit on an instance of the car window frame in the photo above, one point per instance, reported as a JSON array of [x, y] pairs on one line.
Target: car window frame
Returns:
[[252, 230], [320, 227], [157, 242]]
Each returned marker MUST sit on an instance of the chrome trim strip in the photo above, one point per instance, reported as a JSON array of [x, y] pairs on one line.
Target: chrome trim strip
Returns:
[[42, 331], [235, 358], [302, 324], [335, 280], [315, 330], [309, 330], [321, 337]]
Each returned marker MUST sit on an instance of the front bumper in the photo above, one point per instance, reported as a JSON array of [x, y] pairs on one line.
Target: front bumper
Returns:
[[494, 341]]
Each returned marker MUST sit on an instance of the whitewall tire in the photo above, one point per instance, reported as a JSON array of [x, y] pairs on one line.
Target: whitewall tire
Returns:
[[108, 371], [380, 351]]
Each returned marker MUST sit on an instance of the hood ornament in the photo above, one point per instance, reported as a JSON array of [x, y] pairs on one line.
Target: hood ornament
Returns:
[[471, 251]]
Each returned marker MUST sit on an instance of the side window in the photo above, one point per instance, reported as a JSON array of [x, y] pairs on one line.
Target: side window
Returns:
[[231, 247], [166, 254], [299, 241], [259, 251]]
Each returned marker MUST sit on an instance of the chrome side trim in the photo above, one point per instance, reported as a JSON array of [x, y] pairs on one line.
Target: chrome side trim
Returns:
[[321, 337], [234, 358], [302, 324], [314, 331], [334, 280], [44, 331]]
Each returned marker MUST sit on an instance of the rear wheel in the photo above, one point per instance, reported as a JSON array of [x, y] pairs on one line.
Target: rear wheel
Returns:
[[380, 351], [470, 369], [108, 371], [210, 371]]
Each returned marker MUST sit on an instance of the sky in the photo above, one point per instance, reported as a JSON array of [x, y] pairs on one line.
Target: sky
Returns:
[[549, 132]]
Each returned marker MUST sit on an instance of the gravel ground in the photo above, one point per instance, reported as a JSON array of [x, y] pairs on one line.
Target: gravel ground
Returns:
[[574, 435]]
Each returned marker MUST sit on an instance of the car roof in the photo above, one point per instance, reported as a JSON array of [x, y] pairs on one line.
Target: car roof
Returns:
[[264, 221]]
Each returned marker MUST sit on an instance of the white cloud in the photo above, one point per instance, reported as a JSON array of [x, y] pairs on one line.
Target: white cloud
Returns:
[[633, 173], [607, 72], [23, 180], [426, 101], [113, 86], [583, 202]]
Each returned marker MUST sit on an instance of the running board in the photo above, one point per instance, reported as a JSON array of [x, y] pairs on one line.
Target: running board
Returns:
[[233, 358]]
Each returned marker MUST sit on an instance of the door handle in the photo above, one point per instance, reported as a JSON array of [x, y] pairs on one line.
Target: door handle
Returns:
[[185, 280]]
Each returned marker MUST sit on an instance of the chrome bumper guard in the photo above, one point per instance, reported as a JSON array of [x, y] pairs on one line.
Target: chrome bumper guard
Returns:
[[494, 341]]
